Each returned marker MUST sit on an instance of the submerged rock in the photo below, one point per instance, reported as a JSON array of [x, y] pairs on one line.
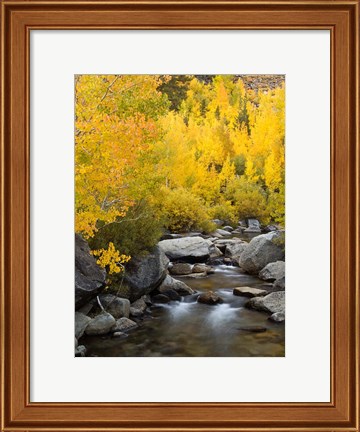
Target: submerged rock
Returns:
[[253, 329]]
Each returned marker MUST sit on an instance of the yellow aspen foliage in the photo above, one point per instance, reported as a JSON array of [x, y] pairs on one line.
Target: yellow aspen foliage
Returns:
[[111, 258]]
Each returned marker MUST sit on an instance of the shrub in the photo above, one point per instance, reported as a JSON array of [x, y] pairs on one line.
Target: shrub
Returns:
[[225, 212], [183, 211], [137, 232], [248, 199]]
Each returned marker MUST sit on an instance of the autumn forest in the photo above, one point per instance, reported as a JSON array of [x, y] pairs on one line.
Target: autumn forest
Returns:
[[160, 156]]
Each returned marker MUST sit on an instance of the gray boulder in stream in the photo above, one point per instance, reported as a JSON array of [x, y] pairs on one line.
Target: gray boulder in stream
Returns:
[[273, 303], [89, 277], [192, 249], [145, 273], [273, 271], [262, 250]]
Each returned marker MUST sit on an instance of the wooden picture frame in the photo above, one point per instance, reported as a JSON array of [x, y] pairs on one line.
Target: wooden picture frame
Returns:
[[18, 19]]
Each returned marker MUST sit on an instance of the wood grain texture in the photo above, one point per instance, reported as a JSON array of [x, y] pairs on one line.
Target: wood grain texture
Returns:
[[18, 18]]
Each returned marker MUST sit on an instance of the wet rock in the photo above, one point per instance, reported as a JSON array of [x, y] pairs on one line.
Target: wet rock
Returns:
[[118, 307], [228, 228], [249, 292], [273, 271], [144, 274], [209, 298], [81, 322], [80, 351], [192, 249], [172, 295], [202, 268], [278, 317], [273, 302], [261, 251], [270, 228], [279, 284], [89, 276], [180, 287], [180, 269], [100, 325], [123, 324], [161, 298], [138, 307], [215, 252]]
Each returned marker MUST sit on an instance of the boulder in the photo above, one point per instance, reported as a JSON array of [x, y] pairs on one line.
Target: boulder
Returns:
[[234, 250], [273, 302], [144, 274], [278, 317], [249, 292], [191, 249], [228, 228], [209, 298], [180, 269], [89, 277], [118, 307], [76, 343], [138, 308], [270, 228], [119, 334], [81, 322], [222, 233], [123, 324], [273, 271], [100, 325], [261, 251], [279, 284], [180, 287], [253, 226]]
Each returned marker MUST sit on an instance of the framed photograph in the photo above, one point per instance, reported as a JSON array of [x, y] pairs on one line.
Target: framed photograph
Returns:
[[180, 194]]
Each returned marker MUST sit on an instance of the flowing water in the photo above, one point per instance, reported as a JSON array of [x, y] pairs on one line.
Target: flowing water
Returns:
[[188, 328]]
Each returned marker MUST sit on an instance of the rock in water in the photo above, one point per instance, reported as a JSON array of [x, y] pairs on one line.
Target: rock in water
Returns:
[[249, 292], [261, 251], [253, 226], [192, 249], [169, 283], [100, 325], [181, 269], [138, 308], [209, 298], [273, 271], [279, 284], [222, 232], [89, 277], [277, 317], [81, 322], [273, 303], [144, 274], [116, 306], [123, 324]]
